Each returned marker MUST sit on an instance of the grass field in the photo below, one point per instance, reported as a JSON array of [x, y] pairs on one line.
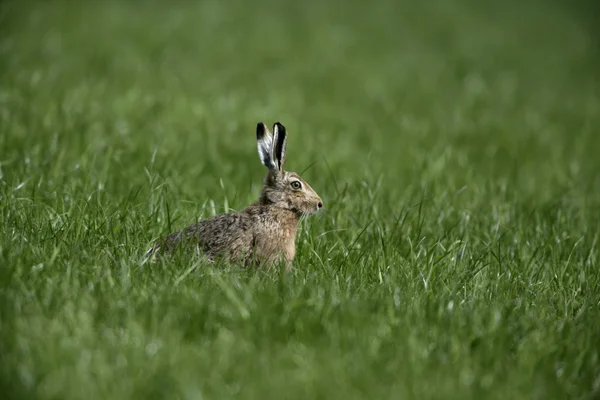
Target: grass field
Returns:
[[455, 146]]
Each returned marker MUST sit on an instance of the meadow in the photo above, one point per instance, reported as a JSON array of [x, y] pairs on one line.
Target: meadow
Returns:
[[454, 144]]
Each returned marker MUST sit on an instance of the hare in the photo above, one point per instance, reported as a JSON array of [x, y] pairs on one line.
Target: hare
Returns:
[[264, 232]]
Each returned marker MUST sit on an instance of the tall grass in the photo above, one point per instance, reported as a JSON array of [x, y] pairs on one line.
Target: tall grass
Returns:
[[455, 147]]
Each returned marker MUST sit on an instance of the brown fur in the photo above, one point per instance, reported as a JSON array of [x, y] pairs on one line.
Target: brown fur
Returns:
[[264, 232]]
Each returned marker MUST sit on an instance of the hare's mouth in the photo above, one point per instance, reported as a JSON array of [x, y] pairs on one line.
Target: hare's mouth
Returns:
[[315, 210], [307, 209]]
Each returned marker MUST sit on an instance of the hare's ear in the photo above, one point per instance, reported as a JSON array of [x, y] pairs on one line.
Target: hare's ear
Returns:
[[279, 145], [265, 142]]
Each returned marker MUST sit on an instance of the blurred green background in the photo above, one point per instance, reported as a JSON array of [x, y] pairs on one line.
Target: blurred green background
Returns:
[[454, 144]]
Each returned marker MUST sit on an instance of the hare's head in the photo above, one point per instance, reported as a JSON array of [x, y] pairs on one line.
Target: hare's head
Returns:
[[283, 189]]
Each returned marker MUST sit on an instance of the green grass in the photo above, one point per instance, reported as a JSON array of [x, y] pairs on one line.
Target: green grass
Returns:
[[454, 143]]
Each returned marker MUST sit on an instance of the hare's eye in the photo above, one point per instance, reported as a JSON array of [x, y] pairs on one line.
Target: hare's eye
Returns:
[[296, 184]]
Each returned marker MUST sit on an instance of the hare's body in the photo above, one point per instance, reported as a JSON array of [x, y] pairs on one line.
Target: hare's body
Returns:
[[264, 232], [258, 233]]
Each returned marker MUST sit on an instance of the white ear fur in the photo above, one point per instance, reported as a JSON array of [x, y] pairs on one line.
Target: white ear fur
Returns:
[[265, 142]]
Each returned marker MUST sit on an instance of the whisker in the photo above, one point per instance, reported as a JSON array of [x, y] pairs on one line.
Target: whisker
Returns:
[[307, 168]]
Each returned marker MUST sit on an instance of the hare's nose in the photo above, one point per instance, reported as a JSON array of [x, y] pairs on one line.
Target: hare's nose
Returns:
[[320, 204]]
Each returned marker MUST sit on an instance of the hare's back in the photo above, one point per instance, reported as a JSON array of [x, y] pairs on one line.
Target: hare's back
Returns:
[[227, 233]]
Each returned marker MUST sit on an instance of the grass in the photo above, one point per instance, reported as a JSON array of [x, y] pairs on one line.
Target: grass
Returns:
[[455, 146]]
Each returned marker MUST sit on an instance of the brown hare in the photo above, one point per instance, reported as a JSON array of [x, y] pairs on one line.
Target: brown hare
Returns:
[[264, 232]]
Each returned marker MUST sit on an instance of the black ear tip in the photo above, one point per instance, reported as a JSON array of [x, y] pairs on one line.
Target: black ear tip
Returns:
[[279, 126], [261, 128]]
